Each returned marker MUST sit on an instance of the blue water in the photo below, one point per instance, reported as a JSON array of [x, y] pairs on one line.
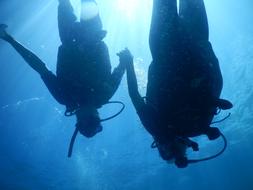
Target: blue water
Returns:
[[35, 134]]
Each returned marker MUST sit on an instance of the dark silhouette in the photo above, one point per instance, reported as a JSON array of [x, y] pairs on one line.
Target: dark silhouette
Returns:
[[83, 81], [184, 79]]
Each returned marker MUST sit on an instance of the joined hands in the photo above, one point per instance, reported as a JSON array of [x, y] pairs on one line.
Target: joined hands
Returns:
[[125, 57]]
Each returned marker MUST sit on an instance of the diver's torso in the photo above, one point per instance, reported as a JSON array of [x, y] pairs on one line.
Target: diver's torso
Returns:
[[184, 88], [81, 72]]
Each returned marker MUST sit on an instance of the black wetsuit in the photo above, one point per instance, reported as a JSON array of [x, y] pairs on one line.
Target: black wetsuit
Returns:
[[184, 78], [83, 77], [83, 67]]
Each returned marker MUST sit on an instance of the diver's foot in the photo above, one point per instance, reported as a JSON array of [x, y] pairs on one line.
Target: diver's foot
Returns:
[[223, 104], [181, 162], [3, 32], [213, 133]]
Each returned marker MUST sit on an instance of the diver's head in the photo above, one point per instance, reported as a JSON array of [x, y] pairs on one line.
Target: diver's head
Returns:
[[91, 28], [88, 121], [173, 151]]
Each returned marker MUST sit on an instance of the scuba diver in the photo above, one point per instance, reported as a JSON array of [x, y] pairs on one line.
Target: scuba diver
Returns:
[[83, 80], [184, 81]]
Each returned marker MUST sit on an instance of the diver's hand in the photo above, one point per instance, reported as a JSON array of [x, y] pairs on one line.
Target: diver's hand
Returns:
[[3, 33], [125, 57]]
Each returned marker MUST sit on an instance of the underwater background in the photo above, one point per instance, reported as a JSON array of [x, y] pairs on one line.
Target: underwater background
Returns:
[[35, 134]]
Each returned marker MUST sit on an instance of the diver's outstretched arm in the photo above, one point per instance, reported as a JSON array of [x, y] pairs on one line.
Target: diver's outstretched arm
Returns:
[[28, 56], [47, 76], [66, 21], [127, 59], [110, 80], [115, 79]]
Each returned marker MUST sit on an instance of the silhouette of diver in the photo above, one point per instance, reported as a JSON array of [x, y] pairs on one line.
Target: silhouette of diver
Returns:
[[83, 81], [84, 66], [184, 80]]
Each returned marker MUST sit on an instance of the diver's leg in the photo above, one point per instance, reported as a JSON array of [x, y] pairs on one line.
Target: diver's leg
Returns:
[[194, 19], [163, 28], [164, 43], [66, 21]]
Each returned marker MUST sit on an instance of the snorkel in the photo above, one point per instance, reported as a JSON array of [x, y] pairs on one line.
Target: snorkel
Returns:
[[77, 129]]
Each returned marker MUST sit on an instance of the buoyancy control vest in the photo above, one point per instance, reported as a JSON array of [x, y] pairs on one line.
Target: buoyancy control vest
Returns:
[[83, 72]]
